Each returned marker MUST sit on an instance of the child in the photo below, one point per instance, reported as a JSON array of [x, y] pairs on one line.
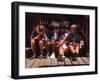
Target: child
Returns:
[[38, 36], [74, 40], [62, 43], [52, 38]]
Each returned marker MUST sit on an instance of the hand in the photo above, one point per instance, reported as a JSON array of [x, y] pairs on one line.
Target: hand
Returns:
[[40, 33], [61, 42]]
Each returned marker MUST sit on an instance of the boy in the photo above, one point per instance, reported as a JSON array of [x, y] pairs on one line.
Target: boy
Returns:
[[38, 36]]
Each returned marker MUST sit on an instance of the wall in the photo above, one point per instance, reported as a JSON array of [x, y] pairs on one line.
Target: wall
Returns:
[[5, 40]]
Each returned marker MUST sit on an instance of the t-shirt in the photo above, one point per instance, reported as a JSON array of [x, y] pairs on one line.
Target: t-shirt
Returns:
[[43, 36], [50, 34], [74, 37]]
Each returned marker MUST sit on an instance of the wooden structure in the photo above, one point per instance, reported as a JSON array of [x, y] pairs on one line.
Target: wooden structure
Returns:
[[52, 62]]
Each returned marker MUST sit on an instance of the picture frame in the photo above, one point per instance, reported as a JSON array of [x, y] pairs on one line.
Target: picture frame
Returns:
[[26, 14]]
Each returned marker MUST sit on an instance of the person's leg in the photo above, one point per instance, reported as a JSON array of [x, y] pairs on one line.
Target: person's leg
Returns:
[[56, 50], [44, 48], [77, 49], [48, 48], [52, 47], [66, 52], [61, 51], [41, 46], [33, 46], [61, 54], [72, 49], [65, 48]]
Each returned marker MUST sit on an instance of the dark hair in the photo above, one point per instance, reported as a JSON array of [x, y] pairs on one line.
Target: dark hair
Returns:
[[39, 27]]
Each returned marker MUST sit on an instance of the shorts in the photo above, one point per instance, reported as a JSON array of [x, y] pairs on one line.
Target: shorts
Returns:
[[64, 46]]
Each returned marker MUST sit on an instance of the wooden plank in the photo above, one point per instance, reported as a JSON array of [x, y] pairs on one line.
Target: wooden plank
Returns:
[[86, 60], [42, 62], [54, 61], [29, 62], [80, 60], [61, 63], [67, 61], [47, 62], [74, 62], [35, 64]]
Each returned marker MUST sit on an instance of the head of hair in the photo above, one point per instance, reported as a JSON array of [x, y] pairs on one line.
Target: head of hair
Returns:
[[40, 28], [73, 27]]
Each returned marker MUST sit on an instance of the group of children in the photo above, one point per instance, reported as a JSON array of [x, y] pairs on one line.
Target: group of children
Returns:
[[56, 40]]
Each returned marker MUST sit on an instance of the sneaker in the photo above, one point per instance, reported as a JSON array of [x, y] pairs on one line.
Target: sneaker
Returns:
[[52, 55], [63, 56]]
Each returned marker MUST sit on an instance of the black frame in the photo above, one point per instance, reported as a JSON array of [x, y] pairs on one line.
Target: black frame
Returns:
[[15, 39]]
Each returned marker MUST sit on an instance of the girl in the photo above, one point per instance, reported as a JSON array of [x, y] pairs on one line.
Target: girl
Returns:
[[62, 43]]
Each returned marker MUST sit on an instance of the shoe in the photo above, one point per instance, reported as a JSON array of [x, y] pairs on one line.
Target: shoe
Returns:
[[52, 55], [41, 56], [63, 56]]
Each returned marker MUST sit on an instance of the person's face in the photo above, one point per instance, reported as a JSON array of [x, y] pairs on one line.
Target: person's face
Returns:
[[37, 30], [56, 29], [62, 30], [73, 28]]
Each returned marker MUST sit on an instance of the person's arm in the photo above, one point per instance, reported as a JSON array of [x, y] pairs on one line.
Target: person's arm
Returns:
[[64, 39], [37, 37]]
